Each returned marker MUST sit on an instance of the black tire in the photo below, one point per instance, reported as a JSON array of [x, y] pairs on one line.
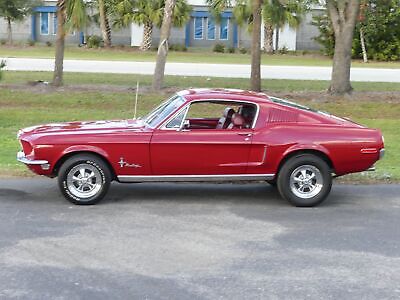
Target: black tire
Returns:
[[100, 179], [313, 190], [272, 182]]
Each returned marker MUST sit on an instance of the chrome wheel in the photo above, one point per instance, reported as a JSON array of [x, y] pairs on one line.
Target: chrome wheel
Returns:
[[306, 181], [84, 181]]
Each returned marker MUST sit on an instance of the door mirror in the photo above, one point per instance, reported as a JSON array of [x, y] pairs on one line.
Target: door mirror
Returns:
[[185, 126]]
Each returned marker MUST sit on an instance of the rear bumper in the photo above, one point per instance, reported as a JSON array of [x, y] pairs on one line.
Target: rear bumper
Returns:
[[381, 153]]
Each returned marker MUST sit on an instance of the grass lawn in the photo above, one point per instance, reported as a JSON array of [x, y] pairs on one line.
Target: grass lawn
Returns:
[[193, 55], [23, 107]]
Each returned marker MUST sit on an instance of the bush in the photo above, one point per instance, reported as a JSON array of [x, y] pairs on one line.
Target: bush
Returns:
[[49, 44], [231, 50], [31, 42], [178, 47], [283, 50], [2, 66], [94, 41], [243, 50], [220, 48], [3, 42]]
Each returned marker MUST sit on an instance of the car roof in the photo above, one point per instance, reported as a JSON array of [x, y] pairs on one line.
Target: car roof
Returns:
[[228, 94]]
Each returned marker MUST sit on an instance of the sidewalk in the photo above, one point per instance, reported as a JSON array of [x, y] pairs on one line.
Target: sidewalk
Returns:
[[208, 70]]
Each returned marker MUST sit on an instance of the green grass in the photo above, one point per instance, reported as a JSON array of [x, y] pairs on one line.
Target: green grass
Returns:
[[129, 80], [21, 108], [193, 56]]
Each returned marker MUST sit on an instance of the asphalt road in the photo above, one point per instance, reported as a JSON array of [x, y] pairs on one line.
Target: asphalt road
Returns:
[[197, 69], [198, 241]]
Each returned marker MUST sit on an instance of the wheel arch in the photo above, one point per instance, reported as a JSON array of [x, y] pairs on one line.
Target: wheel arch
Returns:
[[319, 152], [70, 152]]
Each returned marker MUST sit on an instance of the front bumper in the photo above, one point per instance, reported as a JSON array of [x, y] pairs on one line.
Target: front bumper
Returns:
[[22, 158]]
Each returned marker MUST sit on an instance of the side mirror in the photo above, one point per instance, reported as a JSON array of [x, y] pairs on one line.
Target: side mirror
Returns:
[[185, 126]]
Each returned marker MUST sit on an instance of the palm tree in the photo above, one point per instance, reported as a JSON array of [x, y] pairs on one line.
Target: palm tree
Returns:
[[158, 77], [104, 23], [254, 19], [149, 13], [276, 14], [71, 14]]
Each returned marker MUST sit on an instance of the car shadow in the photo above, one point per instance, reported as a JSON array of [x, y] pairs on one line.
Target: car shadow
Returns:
[[257, 193]]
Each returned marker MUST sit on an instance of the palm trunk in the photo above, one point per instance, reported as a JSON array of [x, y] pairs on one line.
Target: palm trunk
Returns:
[[9, 32], [147, 36], [343, 18], [362, 40], [255, 80], [268, 38], [158, 78], [340, 82], [104, 25], [60, 44], [277, 39]]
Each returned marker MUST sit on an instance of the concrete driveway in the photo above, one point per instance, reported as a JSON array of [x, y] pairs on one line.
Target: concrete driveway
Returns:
[[196, 69], [204, 241]]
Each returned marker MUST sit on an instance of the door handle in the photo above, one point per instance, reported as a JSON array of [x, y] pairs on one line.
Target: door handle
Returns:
[[245, 134]]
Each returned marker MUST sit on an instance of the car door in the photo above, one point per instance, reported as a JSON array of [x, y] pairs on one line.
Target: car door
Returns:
[[200, 151]]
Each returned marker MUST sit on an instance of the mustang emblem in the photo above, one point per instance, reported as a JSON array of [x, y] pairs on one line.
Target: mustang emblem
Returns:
[[123, 163]]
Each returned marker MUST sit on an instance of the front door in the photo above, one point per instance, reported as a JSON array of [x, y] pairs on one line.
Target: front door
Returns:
[[200, 151]]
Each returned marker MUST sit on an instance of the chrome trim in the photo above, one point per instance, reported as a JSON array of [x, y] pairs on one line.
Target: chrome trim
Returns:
[[381, 153], [22, 158], [192, 178], [371, 169], [162, 125]]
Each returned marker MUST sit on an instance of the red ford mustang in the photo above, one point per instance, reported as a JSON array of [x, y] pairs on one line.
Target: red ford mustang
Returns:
[[205, 135]]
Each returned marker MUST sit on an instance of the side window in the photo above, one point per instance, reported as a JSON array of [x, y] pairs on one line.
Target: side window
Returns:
[[205, 110], [198, 28], [177, 121]]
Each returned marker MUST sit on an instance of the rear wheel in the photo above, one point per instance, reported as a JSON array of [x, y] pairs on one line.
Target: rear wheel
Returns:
[[305, 180], [84, 179]]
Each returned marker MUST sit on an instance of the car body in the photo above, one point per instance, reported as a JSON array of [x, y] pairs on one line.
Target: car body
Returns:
[[205, 135]]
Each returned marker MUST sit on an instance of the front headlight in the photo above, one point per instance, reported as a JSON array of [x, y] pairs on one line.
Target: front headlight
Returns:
[[27, 147]]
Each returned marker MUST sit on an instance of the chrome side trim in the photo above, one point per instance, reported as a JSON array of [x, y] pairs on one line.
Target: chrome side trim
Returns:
[[22, 158], [192, 178]]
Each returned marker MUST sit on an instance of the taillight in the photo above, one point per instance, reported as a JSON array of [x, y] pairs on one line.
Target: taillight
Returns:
[[27, 147]]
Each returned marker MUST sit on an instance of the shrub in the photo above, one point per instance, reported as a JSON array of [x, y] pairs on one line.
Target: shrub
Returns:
[[243, 50], [94, 41], [2, 66], [49, 44], [220, 48], [178, 47], [31, 42], [231, 50], [3, 42], [283, 50]]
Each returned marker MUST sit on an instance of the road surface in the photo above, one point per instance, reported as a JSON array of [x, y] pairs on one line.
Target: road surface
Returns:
[[204, 241], [196, 69]]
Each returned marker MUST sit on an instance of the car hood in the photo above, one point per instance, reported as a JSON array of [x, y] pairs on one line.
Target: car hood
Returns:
[[83, 126]]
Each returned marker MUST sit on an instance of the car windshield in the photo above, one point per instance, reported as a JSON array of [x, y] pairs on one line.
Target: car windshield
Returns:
[[156, 116]]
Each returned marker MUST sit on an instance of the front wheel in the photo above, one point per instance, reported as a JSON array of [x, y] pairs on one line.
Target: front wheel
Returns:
[[305, 180], [84, 179]]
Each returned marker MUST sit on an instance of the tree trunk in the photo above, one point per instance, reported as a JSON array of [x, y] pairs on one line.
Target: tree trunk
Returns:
[[343, 14], [277, 39], [9, 32], [147, 36], [362, 40], [268, 38], [104, 25], [60, 43], [255, 80], [158, 78]]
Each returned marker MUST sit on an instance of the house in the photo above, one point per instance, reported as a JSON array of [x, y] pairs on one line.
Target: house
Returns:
[[200, 31]]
